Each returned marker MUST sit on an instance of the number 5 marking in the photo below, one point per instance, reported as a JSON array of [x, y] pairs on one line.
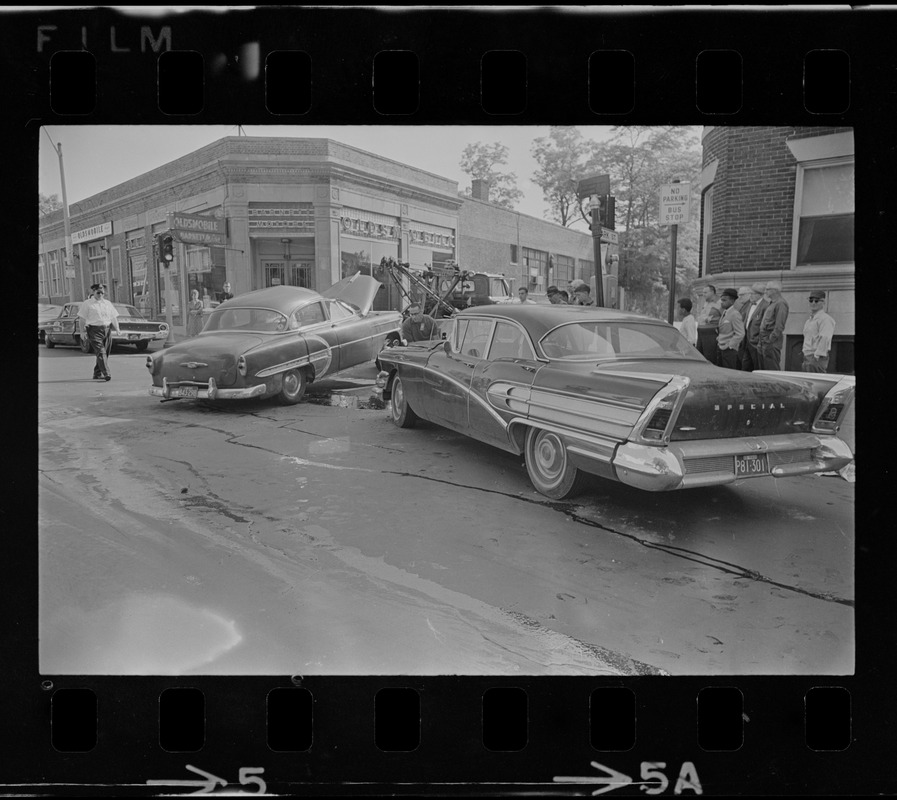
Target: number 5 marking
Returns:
[[651, 771], [248, 775]]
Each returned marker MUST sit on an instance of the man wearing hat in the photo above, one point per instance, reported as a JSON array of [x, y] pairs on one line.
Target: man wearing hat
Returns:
[[731, 331], [818, 332], [582, 294], [554, 296], [753, 313], [772, 327], [96, 316]]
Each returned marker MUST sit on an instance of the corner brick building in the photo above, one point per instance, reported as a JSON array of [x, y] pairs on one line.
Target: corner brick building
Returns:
[[302, 212], [778, 204]]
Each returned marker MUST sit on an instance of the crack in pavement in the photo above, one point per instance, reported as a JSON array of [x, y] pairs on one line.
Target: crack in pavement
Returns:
[[678, 552], [568, 510]]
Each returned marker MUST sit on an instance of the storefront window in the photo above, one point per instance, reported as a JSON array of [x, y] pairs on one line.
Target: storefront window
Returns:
[[564, 270], [205, 272], [41, 278]]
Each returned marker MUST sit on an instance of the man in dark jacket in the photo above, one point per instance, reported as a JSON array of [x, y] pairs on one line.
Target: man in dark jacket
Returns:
[[772, 327]]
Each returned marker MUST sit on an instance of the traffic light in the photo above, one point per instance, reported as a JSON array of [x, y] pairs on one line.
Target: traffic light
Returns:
[[167, 248]]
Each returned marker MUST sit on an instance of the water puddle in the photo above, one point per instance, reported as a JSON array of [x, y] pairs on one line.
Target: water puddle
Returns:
[[145, 634]]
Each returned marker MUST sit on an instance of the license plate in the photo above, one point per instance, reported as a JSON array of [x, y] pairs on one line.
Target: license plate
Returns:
[[185, 391], [133, 335], [748, 466]]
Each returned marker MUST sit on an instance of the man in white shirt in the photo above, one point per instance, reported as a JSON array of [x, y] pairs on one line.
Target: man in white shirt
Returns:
[[97, 315], [522, 297], [818, 332], [688, 325]]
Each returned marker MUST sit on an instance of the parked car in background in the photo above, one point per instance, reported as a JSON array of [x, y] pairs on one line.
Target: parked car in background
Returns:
[[273, 342], [46, 312], [597, 391], [136, 329]]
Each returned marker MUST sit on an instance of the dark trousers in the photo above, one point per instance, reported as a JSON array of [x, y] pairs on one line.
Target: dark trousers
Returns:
[[707, 342], [814, 364], [101, 344], [750, 358], [727, 358], [771, 355]]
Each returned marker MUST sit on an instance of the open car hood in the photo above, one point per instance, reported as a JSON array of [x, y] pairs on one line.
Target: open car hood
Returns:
[[358, 290]]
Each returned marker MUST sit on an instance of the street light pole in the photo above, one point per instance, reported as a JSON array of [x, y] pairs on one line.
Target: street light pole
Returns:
[[596, 250], [68, 261]]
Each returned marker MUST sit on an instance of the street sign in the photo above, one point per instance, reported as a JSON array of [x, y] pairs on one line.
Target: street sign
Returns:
[[674, 202], [596, 184], [609, 237]]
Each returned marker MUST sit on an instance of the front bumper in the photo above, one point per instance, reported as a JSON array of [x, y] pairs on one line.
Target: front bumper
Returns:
[[205, 391], [688, 465], [130, 337]]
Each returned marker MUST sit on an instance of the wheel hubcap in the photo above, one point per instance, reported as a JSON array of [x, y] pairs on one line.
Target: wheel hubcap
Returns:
[[549, 457], [398, 397], [291, 383]]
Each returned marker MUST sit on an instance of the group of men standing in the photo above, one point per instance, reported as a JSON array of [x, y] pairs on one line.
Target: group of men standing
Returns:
[[745, 329]]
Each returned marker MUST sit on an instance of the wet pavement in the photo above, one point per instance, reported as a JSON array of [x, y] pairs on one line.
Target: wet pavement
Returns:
[[251, 538]]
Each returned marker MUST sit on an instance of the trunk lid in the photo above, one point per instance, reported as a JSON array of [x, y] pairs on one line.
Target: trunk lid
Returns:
[[725, 404], [211, 355]]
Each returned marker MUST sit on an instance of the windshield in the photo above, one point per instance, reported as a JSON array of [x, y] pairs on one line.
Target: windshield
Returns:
[[127, 311], [615, 341], [246, 319]]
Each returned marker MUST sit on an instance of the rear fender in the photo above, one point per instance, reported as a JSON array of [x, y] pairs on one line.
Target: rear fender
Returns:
[[836, 393]]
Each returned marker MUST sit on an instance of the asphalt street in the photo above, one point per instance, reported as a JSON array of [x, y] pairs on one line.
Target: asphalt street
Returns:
[[184, 537]]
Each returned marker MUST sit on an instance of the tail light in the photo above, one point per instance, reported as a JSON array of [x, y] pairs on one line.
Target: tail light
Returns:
[[653, 427], [834, 406], [241, 365]]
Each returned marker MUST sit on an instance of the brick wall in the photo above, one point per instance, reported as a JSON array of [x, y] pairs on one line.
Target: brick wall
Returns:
[[753, 200]]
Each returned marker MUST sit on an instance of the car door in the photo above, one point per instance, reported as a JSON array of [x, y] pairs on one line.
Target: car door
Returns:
[[501, 383], [314, 326], [353, 332], [451, 369]]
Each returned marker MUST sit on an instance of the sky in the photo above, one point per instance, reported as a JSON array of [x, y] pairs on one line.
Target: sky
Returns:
[[97, 157]]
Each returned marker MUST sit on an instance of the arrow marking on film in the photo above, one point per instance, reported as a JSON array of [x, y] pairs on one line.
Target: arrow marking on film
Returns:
[[612, 778], [206, 785]]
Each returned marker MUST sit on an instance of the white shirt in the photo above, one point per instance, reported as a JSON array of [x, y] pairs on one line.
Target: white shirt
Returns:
[[98, 312], [818, 332], [689, 329]]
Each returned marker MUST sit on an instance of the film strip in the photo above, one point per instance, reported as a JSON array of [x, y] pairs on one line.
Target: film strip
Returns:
[[632, 728]]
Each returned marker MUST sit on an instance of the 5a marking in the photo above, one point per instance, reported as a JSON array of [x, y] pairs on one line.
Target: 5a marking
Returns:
[[654, 781]]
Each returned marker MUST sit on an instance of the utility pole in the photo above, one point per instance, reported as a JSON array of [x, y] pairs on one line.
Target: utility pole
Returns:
[[595, 203], [68, 262]]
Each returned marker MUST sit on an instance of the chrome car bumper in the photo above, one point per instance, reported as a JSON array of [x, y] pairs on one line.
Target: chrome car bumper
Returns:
[[687, 465], [139, 336], [209, 391]]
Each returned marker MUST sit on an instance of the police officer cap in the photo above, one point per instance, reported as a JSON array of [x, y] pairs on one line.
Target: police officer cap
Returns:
[[552, 290], [730, 293], [95, 286], [817, 294]]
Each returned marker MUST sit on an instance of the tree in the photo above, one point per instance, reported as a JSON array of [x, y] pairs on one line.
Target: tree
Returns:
[[639, 159], [480, 161], [562, 157], [47, 205]]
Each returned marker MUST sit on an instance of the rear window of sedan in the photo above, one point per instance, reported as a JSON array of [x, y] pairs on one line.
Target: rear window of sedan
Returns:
[[246, 319], [593, 340]]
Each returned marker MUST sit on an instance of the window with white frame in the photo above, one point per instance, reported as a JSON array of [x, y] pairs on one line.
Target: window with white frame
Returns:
[[564, 269], [535, 263], [53, 257], [825, 219], [41, 276], [96, 255]]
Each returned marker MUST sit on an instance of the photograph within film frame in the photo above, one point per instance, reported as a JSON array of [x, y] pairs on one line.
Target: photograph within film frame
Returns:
[[630, 730]]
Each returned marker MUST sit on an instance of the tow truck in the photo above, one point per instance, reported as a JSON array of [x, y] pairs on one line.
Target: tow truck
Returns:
[[445, 288]]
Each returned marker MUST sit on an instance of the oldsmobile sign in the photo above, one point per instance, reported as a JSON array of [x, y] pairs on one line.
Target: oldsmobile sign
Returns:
[[197, 229]]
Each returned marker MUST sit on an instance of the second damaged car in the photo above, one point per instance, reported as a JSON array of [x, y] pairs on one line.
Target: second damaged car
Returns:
[[273, 342], [596, 391]]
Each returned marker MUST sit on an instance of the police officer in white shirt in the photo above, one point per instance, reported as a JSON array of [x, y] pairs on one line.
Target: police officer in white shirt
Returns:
[[97, 315]]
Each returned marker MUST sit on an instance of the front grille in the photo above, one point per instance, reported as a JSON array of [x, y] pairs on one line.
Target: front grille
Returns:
[[727, 463], [133, 327]]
